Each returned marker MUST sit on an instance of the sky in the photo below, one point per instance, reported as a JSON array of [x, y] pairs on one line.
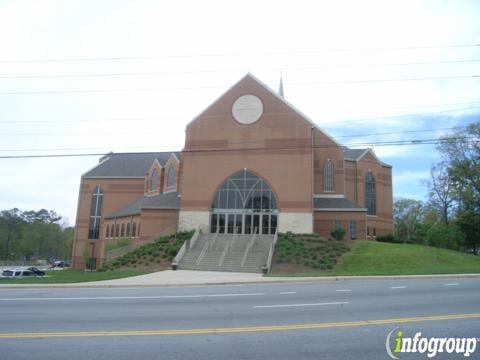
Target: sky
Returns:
[[123, 75]]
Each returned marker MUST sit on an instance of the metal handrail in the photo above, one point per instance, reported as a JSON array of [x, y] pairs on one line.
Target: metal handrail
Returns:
[[185, 246], [205, 248], [249, 246], [267, 267]]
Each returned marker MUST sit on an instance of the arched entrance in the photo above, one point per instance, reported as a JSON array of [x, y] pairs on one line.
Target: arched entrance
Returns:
[[244, 204]]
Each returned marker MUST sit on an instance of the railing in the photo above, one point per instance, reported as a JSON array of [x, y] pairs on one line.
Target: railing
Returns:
[[267, 267], [205, 248], [227, 247], [186, 245], [195, 237], [249, 246]]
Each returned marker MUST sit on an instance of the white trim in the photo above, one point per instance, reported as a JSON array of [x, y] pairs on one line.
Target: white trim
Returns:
[[339, 209], [328, 196], [173, 155], [158, 162]]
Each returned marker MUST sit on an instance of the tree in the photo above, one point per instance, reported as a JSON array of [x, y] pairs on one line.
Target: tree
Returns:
[[10, 222], [461, 153], [407, 217], [33, 234], [443, 235], [442, 194]]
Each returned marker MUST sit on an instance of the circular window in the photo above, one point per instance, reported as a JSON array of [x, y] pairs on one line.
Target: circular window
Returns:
[[247, 109]]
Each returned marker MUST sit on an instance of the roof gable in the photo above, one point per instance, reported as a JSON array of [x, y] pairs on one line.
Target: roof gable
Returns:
[[275, 95], [127, 165], [371, 152]]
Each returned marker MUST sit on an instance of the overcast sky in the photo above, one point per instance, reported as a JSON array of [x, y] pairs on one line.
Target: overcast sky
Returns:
[[157, 64]]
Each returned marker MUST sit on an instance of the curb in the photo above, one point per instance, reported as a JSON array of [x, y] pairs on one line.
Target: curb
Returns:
[[303, 280]]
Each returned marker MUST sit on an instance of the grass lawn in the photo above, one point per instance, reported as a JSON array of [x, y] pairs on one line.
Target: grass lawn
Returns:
[[375, 258], [72, 276], [305, 253]]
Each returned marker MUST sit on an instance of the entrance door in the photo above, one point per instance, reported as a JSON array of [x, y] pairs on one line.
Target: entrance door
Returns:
[[244, 204]]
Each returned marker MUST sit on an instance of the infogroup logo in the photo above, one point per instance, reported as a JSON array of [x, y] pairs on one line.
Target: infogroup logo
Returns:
[[431, 346]]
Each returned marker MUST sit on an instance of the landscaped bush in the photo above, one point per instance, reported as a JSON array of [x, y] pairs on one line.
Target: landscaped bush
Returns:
[[308, 250], [338, 232], [390, 238], [165, 247]]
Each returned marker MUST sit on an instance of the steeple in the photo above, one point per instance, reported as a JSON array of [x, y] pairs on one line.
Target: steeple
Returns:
[[280, 88]]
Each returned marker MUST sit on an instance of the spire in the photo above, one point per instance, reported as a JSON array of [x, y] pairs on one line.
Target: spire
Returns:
[[280, 88]]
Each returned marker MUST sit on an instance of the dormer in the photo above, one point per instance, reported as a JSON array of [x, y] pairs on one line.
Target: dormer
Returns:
[[154, 179], [171, 174]]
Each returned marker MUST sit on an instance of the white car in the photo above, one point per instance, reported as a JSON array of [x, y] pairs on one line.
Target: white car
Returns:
[[16, 274]]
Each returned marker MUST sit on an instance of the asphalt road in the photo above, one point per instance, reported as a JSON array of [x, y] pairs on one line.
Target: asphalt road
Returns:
[[319, 320]]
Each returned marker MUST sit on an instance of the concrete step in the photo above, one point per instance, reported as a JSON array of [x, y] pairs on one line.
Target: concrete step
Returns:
[[228, 250]]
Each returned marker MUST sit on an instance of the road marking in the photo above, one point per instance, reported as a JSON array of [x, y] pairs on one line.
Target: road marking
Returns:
[[451, 284], [398, 287], [300, 305], [133, 297], [246, 329], [343, 290], [287, 292]]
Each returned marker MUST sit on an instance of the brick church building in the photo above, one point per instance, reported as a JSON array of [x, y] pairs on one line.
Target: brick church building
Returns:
[[252, 163]]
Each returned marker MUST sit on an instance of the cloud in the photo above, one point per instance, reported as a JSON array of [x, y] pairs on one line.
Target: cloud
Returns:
[[294, 40]]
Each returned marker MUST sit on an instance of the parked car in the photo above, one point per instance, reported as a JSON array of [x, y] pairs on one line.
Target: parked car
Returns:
[[60, 264], [17, 274], [36, 271]]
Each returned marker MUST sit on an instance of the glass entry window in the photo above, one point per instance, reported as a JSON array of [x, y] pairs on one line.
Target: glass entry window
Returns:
[[244, 204]]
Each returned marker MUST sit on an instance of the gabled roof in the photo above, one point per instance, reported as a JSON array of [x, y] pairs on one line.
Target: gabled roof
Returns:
[[335, 204], [352, 154], [163, 201], [358, 154], [271, 92], [127, 165]]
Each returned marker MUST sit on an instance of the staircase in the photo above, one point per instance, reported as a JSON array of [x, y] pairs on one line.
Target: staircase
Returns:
[[228, 252]]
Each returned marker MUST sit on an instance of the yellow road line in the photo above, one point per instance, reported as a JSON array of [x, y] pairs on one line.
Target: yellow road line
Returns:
[[246, 329]]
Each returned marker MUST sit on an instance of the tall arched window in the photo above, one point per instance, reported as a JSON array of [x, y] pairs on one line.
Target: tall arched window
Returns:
[[244, 204], [122, 232], [128, 229], [328, 176], [107, 231], [95, 213], [134, 229], [117, 230], [154, 181], [171, 176], [112, 231], [370, 195]]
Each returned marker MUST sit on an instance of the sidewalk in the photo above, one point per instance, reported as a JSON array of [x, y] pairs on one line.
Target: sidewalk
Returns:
[[198, 278]]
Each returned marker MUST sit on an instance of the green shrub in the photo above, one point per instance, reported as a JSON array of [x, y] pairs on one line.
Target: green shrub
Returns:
[[390, 238], [338, 232], [446, 236]]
